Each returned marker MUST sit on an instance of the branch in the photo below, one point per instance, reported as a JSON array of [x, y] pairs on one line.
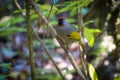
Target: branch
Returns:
[[50, 10], [52, 31], [80, 22], [29, 39], [37, 11], [83, 53], [18, 6], [70, 57], [42, 43], [48, 53]]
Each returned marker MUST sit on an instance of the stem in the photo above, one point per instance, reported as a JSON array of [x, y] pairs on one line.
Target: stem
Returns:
[[70, 57], [29, 39], [18, 6], [50, 27], [48, 53], [83, 53], [80, 22], [54, 34], [50, 10], [43, 45]]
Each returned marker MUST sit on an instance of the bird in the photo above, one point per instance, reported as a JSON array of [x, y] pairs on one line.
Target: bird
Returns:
[[67, 32]]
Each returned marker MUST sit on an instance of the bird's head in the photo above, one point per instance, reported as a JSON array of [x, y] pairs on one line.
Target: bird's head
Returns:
[[61, 20]]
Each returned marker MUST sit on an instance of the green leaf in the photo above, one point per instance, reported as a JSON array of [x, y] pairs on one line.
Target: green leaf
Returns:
[[17, 19], [46, 8], [18, 11], [89, 34], [70, 6], [8, 25], [62, 10], [92, 73], [11, 30], [88, 22], [12, 20]]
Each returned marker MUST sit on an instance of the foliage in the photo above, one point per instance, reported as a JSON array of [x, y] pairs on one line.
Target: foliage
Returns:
[[92, 73], [9, 25], [73, 6], [89, 35], [45, 8]]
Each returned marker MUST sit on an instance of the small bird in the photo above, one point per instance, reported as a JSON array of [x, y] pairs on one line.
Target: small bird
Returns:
[[66, 32]]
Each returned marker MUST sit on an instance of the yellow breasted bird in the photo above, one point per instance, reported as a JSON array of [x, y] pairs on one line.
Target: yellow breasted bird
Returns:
[[66, 32]]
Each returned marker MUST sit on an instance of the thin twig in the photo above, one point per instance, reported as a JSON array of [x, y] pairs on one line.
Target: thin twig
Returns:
[[48, 53], [19, 7], [83, 53], [83, 62], [29, 40], [50, 10], [80, 22], [36, 9], [53, 32], [70, 57]]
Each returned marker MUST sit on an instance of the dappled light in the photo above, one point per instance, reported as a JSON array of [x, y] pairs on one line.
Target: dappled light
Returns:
[[108, 43]]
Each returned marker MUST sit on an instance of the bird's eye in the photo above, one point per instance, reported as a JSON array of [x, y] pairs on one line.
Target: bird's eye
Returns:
[[69, 36]]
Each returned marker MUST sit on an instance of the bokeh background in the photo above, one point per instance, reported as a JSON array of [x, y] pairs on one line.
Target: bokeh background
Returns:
[[102, 32]]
